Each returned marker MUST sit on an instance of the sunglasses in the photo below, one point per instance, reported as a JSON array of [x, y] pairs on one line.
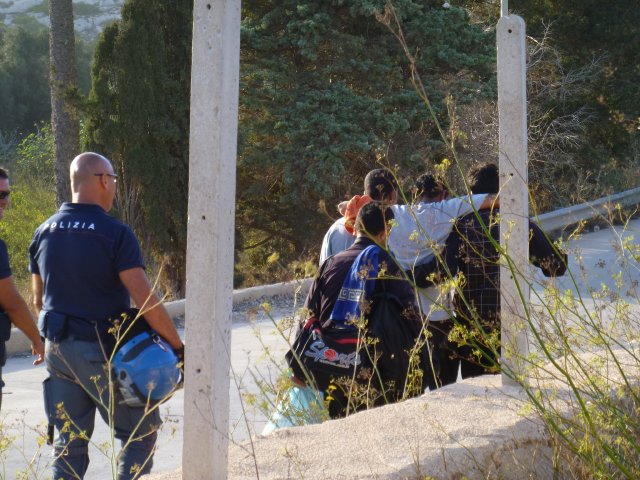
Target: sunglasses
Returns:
[[112, 175], [4, 194]]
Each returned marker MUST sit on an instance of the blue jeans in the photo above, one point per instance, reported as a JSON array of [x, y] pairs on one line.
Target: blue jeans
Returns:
[[78, 385]]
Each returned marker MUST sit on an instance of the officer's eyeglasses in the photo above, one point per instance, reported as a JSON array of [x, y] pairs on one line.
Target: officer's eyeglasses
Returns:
[[4, 194], [112, 175]]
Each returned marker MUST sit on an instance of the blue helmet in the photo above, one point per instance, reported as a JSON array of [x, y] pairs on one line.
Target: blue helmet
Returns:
[[146, 370]]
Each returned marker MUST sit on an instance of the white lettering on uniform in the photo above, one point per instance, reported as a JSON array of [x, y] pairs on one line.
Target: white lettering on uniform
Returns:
[[72, 224]]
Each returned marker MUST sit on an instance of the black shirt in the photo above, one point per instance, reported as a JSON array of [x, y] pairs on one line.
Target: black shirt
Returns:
[[469, 250]]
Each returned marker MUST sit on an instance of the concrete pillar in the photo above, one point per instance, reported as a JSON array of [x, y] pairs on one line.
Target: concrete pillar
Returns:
[[514, 198], [212, 179]]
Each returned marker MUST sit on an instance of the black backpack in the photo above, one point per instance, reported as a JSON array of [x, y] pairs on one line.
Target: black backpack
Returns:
[[401, 349]]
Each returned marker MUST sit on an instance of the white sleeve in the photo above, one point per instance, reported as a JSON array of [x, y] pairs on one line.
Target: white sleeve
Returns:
[[325, 250], [460, 206]]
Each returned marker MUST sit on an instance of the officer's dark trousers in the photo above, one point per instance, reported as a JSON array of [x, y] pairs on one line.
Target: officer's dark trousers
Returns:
[[78, 385]]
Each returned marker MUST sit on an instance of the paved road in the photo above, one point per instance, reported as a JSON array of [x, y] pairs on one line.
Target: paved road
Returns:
[[22, 417]]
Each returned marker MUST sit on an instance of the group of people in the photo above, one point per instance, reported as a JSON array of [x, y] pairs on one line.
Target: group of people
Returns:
[[423, 246], [86, 267]]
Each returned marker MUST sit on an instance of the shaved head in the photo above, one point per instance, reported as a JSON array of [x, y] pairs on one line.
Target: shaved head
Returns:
[[84, 166], [93, 180]]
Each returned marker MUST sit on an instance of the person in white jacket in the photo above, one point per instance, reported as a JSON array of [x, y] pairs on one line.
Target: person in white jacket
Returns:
[[337, 238], [418, 230]]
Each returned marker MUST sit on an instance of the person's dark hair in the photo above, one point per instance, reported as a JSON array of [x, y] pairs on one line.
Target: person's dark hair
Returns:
[[379, 184], [4, 173], [484, 178], [427, 185], [373, 217]]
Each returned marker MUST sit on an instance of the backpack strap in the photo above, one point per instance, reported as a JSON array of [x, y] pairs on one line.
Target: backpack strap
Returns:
[[357, 286]]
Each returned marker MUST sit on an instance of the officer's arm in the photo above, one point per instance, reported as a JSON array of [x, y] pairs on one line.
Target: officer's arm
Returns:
[[37, 287], [18, 311], [137, 283]]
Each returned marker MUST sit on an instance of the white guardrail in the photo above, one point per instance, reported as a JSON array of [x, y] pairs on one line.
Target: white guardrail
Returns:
[[551, 221], [563, 217]]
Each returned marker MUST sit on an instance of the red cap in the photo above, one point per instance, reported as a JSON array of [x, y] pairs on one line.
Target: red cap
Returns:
[[353, 207]]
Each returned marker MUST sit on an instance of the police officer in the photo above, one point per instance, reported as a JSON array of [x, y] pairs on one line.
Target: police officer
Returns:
[[13, 308], [86, 266]]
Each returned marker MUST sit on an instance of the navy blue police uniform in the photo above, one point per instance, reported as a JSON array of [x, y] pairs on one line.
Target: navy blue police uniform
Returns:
[[79, 253], [5, 323]]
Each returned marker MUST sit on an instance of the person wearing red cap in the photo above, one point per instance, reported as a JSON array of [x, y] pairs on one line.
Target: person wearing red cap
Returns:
[[379, 185], [337, 238]]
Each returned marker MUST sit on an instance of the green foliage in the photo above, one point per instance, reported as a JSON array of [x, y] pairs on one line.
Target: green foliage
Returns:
[[326, 94], [139, 117], [80, 9], [27, 23], [7, 148], [84, 57], [584, 32], [25, 98], [83, 9], [42, 7], [24, 88], [32, 198], [34, 158], [30, 206]]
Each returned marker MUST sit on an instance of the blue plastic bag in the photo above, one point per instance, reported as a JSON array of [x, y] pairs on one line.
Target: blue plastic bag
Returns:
[[300, 406]]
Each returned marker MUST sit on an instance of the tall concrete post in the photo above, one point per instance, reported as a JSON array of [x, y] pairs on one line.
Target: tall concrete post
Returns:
[[514, 198], [212, 179]]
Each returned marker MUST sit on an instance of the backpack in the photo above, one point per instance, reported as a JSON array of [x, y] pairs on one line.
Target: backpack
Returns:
[[401, 349], [389, 352]]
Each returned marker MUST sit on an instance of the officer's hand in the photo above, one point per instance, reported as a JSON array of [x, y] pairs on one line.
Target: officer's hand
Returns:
[[37, 348], [180, 353]]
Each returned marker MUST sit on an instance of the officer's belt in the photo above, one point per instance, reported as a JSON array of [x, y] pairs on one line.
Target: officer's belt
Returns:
[[57, 326], [81, 329]]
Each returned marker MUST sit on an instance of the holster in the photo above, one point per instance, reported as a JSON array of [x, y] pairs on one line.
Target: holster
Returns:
[[53, 325]]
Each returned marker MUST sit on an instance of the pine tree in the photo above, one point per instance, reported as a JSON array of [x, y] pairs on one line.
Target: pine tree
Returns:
[[326, 92], [139, 117]]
